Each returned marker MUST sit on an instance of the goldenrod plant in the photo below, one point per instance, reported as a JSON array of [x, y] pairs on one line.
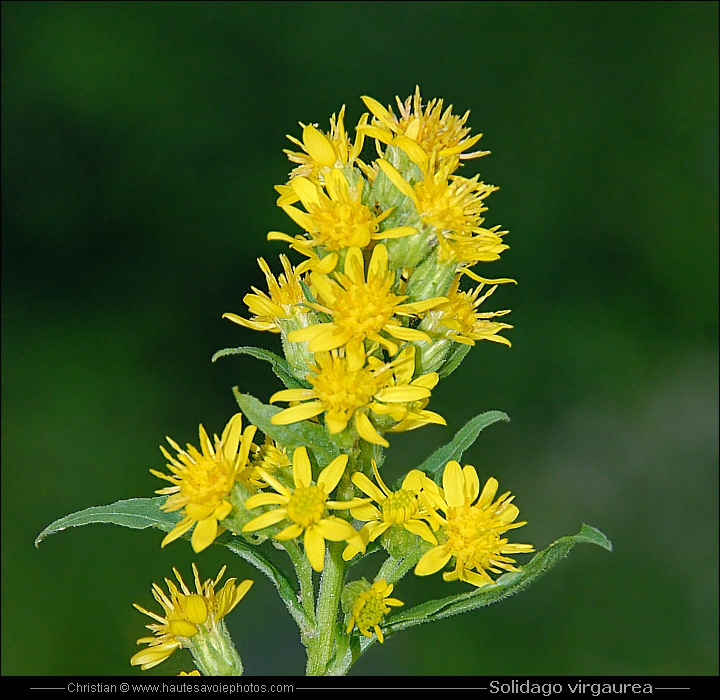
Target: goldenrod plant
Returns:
[[387, 297]]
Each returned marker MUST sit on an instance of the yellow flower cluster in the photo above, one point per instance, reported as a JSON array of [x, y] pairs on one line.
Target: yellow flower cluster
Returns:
[[375, 311], [370, 320]]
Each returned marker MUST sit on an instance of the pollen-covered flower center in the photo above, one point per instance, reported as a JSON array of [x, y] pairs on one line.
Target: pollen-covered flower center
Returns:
[[369, 609], [209, 481], [400, 507], [362, 309], [471, 537], [307, 505], [342, 390], [343, 224]]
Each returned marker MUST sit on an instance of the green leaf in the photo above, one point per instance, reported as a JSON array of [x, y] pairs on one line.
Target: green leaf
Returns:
[[311, 435], [456, 356], [141, 513], [507, 585], [280, 366], [135, 513], [466, 436]]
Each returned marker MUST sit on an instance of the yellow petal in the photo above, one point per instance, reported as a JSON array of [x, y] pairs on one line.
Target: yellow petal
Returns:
[[306, 190], [335, 529], [367, 431], [403, 333], [331, 475], [379, 112], [355, 266], [318, 146], [178, 531], [301, 218], [292, 395], [290, 532], [204, 534], [297, 413], [432, 561], [272, 517], [402, 394], [454, 484], [413, 149], [488, 492], [367, 486], [472, 483], [314, 547], [355, 353], [302, 335], [302, 471], [396, 232], [378, 266], [265, 499], [418, 527], [231, 436], [398, 180]]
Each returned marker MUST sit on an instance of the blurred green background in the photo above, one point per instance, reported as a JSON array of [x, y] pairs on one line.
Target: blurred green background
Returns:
[[141, 143]]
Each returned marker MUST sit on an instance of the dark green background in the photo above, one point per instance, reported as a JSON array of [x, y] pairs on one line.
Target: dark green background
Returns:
[[141, 143]]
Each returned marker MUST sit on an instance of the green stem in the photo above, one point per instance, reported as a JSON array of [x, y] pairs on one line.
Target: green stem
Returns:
[[305, 580], [394, 569], [321, 648]]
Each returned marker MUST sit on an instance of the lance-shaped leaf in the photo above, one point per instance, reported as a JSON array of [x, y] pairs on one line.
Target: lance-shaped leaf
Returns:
[[466, 436], [280, 366], [142, 513], [456, 356], [505, 586], [135, 513], [303, 434]]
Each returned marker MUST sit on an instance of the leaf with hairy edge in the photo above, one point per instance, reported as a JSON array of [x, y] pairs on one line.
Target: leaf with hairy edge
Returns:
[[135, 513], [280, 366], [456, 357], [141, 513], [466, 436], [505, 586], [302, 434]]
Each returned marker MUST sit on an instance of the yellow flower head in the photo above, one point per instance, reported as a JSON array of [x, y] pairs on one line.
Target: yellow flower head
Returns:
[[335, 219], [450, 210], [343, 394], [202, 481], [370, 607], [283, 296], [271, 458], [404, 507], [472, 527], [186, 614], [465, 324], [306, 507], [439, 133], [323, 152], [361, 309]]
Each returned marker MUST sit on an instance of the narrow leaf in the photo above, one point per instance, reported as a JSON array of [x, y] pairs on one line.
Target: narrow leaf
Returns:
[[453, 362], [505, 586], [135, 513], [466, 436], [280, 366], [302, 434]]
